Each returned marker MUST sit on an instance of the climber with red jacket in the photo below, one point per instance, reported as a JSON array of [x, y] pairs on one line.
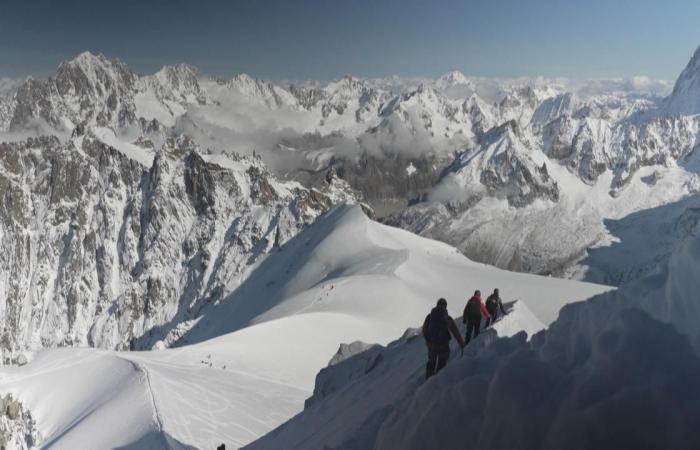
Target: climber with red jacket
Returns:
[[473, 311], [437, 327]]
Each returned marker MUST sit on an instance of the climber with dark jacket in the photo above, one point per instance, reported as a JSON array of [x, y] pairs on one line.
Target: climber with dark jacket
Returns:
[[472, 316], [494, 304], [437, 327]]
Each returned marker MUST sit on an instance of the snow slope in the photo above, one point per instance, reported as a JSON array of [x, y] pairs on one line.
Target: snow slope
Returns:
[[252, 359], [621, 370]]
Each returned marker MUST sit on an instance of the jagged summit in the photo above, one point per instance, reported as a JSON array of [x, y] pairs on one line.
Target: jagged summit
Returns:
[[454, 77], [88, 58]]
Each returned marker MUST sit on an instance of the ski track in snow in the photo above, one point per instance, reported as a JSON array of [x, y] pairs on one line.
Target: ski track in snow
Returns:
[[149, 389]]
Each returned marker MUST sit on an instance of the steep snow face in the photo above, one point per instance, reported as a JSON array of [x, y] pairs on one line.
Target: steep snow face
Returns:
[[685, 97], [252, 358], [420, 122], [598, 372], [261, 91], [115, 246], [88, 88], [502, 166], [455, 85], [165, 96], [554, 237]]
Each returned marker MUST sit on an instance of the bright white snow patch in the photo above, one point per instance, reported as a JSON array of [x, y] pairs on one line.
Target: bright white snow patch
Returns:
[[142, 155], [411, 169], [621, 370]]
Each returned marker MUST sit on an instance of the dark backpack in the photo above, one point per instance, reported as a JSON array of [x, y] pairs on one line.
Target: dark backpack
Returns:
[[492, 303], [438, 331], [473, 308]]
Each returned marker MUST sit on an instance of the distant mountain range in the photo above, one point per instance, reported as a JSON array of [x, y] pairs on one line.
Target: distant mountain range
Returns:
[[131, 202]]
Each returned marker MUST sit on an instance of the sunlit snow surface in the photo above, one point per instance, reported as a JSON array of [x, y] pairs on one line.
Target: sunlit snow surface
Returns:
[[252, 361], [619, 371]]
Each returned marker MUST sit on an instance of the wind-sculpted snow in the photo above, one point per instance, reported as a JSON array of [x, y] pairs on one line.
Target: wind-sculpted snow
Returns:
[[252, 357], [621, 370]]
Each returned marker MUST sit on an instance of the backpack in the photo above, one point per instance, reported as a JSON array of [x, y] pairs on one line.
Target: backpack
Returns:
[[473, 308], [492, 303], [438, 331]]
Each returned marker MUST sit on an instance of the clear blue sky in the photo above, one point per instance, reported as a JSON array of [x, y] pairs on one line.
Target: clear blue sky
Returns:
[[326, 38]]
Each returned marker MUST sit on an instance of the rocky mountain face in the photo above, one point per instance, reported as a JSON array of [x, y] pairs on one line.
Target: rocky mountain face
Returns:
[[566, 164], [93, 90], [502, 166], [117, 229], [88, 88], [17, 426], [98, 249]]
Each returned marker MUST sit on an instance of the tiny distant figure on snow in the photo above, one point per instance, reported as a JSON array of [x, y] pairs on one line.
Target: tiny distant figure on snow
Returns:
[[494, 305], [472, 316], [437, 328]]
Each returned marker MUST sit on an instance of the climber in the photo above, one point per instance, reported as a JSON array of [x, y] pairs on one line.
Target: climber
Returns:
[[437, 327], [494, 304], [472, 316]]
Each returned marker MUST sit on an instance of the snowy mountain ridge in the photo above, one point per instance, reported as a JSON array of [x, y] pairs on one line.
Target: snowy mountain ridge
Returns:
[[498, 179], [587, 381], [249, 362]]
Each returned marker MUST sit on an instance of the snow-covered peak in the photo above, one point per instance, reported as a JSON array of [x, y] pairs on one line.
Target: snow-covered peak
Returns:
[[177, 72], [88, 59], [502, 166], [455, 85], [553, 108], [96, 70], [348, 85], [262, 91], [453, 78], [685, 98], [178, 82]]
